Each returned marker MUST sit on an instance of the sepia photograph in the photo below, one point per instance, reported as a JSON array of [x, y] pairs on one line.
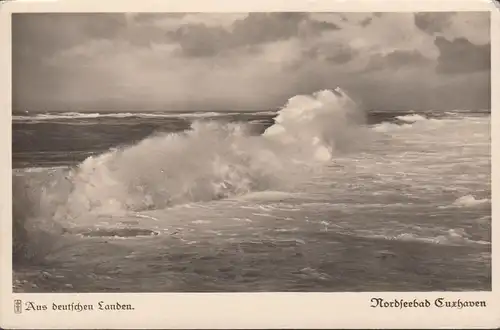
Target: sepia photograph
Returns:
[[198, 152]]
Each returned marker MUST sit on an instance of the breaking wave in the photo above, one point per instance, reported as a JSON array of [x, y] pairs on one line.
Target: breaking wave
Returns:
[[469, 201], [210, 161]]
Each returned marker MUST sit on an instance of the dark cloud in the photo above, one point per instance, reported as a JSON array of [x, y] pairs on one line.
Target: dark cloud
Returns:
[[317, 26], [397, 59], [341, 56], [461, 56], [46, 33], [366, 21], [335, 53], [432, 22], [150, 18], [199, 40], [257, 28]]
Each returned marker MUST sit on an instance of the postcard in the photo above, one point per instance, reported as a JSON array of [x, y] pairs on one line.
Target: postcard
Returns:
[[217, 164]]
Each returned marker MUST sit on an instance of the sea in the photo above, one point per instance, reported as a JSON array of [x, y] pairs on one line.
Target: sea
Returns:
[[318, 196]]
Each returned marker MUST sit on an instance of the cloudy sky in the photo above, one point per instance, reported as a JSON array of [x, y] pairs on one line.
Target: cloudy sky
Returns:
[[241, 61]]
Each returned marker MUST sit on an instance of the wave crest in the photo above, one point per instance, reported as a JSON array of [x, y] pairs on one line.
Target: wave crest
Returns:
[[469, 201], [210, 161], [213, 160]]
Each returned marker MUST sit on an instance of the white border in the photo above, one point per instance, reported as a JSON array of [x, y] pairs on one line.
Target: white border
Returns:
[[242, 310]]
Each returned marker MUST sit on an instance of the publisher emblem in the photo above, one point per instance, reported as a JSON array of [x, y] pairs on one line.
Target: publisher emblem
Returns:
[[18, 306]]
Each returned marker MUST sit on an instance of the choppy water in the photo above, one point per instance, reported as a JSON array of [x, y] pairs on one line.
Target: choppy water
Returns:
[[327, 201]]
